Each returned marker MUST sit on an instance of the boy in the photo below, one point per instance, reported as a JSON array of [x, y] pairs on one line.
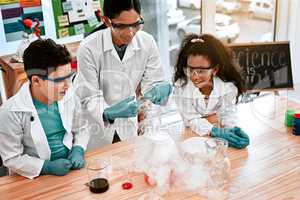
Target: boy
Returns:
[[37, 134]]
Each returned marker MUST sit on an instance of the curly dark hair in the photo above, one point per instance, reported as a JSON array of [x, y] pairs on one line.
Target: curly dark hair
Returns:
[[43, 56], [217, 53]]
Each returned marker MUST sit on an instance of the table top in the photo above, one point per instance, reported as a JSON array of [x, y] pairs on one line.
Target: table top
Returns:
[[269, 168]]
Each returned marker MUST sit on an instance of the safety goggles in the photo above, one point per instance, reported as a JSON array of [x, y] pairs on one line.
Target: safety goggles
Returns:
[[57, 80], [122, 27], [198, 71]]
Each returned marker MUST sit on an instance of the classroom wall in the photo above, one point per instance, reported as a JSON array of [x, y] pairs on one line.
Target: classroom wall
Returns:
[[10, 47]]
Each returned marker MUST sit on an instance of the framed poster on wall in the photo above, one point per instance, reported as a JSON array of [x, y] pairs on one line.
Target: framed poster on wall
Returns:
[[75, 17], [12, 14]]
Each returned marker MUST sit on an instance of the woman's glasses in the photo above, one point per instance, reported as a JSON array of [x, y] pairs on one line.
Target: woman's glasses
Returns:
[[121, 27]]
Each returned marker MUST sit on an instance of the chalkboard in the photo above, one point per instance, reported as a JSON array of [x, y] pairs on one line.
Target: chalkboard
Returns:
[[265, 65]]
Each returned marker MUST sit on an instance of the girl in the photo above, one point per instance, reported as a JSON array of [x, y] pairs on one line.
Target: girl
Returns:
[[207, 83]]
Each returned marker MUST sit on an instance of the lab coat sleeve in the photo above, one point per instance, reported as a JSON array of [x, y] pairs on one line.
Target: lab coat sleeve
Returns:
[[81, 126], [154, 72], [12, 148], [191, 117], [228, 111], [87, 86]]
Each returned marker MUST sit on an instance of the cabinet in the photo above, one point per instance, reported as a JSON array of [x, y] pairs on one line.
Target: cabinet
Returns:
[[13, 76]]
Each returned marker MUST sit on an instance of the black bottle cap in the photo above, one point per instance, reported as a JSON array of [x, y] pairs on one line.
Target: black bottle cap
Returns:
[[99, 185]]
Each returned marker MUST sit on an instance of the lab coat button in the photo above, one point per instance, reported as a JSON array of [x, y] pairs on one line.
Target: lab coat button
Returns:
[[32, 118]]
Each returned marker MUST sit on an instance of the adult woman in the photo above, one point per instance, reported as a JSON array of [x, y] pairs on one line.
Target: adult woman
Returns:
[[112, 62]]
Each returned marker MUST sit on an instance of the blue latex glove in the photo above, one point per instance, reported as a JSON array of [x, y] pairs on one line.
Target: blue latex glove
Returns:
[[124, 109], [244, 138], [235, 136], [57, 167], [76, 156], [159, 93]]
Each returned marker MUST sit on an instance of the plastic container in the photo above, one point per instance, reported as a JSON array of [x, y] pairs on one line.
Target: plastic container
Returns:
[[289, 117], [296, 130]]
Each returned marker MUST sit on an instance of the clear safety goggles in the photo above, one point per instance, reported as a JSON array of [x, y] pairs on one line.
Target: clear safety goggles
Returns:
[[123, 27], [57, 80], [198, 71]]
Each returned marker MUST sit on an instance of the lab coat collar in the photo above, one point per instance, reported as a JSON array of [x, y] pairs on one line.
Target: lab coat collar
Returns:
[[216, 93], [219, 87], [131, 48], [23, 100], [24, 103], [192, 92], [107, 40], [108, 43]]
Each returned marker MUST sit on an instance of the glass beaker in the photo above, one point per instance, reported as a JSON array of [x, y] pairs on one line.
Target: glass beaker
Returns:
[[220, 165], [154, 159], [152, 122], [193, 151], [98, 170]]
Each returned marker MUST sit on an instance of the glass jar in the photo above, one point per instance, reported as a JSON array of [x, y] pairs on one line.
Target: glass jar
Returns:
[[219, 165], [154, 155], [150, 123]]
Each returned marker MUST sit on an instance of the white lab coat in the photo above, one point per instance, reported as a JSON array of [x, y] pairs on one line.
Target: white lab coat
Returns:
[[192, 107], [23, 143], [103, 79]]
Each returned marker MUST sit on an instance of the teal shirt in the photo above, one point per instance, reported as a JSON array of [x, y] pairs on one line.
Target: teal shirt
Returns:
[[52, 124]]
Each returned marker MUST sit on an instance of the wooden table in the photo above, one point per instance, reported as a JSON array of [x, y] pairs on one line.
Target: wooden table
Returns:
[[268, 169]]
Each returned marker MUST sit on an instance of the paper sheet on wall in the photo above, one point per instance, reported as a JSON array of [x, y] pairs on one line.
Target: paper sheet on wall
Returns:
[[77, 13], [67, 6], [83, 10], [90, 14], [81, 16], [63, 32], [88, 9], [79, 29], [96, 5], [92, 20], [63, 20]]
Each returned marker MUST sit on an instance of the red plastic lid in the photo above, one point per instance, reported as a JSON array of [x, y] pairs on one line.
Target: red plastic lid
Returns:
[[127, 186], [297, 115]]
